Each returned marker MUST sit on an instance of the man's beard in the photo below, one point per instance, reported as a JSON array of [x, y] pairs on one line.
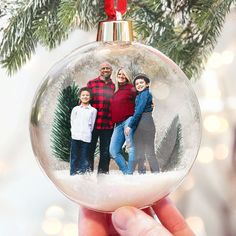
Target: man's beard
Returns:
[[106, 77]]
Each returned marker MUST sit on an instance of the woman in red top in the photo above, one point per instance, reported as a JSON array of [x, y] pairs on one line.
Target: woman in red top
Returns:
[[122, 109]]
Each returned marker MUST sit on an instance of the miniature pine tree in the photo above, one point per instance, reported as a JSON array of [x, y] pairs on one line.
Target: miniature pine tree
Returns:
[[61, 135], [168, 158]]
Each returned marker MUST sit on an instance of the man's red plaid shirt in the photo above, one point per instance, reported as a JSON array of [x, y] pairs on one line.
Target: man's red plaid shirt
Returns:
[[102, 92]]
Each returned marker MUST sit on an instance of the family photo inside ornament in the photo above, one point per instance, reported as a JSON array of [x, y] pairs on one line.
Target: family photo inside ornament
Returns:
[[115, 123]]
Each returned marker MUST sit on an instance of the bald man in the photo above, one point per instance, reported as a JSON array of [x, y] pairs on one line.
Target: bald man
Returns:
[[102, 90]]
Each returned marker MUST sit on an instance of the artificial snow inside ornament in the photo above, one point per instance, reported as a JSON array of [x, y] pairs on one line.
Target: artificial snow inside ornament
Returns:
[[129, 139]]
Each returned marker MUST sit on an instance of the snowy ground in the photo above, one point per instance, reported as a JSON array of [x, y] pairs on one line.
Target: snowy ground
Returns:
[[108, 192]]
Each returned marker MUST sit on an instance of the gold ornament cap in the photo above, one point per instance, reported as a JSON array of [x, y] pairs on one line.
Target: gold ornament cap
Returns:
[[115, 31]]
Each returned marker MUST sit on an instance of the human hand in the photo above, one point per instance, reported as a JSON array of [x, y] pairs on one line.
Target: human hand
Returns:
[[130, 221], [127, 130]]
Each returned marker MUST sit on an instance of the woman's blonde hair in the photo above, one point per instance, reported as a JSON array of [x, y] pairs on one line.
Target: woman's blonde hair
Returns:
[[127, 74]]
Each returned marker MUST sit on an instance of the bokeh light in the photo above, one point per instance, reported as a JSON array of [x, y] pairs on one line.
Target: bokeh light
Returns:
[[52, 226], [70, 229], [215, 124], [55, 211], [205, 155]]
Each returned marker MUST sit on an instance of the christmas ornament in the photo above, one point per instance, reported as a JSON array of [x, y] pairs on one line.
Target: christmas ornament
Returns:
[[173, 115]]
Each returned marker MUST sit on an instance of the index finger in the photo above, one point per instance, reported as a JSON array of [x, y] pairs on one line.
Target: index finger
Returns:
[[171, 218]]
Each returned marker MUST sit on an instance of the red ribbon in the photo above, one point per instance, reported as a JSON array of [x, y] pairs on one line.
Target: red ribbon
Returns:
[[121, 6]]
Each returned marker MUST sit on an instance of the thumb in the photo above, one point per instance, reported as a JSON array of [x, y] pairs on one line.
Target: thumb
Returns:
[[130, 221]]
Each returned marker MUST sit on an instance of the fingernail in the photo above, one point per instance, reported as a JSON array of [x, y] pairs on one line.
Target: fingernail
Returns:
[[122, 216]]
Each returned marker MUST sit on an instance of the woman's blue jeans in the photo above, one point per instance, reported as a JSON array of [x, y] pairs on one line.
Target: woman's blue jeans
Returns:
[[117, 140]]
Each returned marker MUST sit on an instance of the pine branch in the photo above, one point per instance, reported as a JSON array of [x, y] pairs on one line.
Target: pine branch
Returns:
[[90, 12], [49, 30], [188, 33], [67, 14], [7, 7], [19, 41]]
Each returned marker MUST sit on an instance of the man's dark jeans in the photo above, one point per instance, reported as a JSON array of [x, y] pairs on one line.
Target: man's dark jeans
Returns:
[[79, 157], [104, 139]]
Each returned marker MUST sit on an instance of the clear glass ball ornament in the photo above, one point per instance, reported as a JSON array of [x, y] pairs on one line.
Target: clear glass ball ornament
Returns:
[[176, 117]]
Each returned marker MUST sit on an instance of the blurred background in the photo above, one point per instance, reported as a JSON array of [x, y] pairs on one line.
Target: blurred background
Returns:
[[30, 205]]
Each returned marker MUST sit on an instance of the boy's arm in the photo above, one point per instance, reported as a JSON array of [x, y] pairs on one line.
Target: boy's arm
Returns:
[[94, 116], [72, 117]]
